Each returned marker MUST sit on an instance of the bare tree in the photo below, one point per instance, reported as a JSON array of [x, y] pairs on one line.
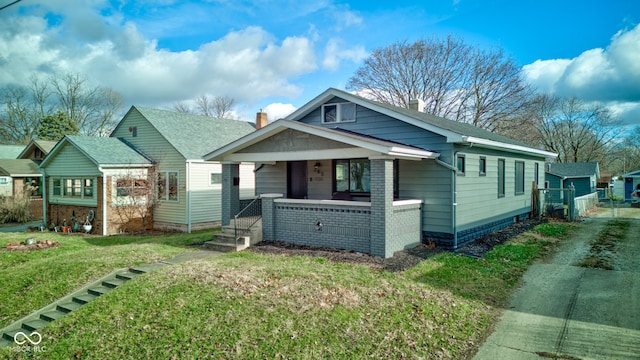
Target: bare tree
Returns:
[[575, 130], [22, 108], [454, 79], [217, 106], [92, 108], [135, 197]]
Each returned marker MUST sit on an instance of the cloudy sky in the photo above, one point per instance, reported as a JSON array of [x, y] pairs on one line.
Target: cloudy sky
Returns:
[[278, 54]]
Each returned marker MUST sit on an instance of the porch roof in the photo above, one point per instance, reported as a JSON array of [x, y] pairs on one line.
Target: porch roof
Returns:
[[352, 145]]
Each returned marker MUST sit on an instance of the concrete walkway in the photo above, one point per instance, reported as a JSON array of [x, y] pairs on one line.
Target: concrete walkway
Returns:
[[563, 311]]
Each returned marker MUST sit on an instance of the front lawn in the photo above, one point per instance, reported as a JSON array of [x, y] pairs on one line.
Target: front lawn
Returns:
[[31, 280], [247, 305]]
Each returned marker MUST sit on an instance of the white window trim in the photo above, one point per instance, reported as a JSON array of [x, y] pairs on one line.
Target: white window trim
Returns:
[[117, 200], [165, 196], [338, 113], [215, 186]]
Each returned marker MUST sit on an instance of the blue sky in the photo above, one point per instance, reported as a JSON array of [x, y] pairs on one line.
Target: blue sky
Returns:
[[277, 55]]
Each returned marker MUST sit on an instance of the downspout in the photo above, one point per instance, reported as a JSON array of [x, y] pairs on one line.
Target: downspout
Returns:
[[44, 197], [188, 181], [105, 219], [454, 204]]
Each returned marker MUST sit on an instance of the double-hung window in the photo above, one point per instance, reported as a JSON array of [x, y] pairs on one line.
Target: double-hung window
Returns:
[[168, 185]]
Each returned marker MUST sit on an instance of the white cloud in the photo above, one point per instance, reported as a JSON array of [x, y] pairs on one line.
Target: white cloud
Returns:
[[334, 54], [247, 64], [277, 111], [609, 76]]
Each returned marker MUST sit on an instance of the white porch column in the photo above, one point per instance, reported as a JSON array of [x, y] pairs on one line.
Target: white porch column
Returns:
[[381, 206], [230, 191]]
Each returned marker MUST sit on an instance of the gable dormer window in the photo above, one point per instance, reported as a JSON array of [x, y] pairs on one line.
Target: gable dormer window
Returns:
[[338, 112]]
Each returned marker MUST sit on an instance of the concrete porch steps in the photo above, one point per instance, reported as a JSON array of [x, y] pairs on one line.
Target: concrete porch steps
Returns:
[[225, 241], [41, 318]]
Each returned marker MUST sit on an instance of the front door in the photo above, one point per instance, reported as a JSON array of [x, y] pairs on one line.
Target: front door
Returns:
[[297, 179]]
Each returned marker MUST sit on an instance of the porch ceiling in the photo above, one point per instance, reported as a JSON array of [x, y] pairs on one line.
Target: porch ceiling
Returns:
[[286, 140]]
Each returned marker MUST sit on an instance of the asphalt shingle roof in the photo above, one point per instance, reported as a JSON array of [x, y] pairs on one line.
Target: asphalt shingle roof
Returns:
[[578, 169], [194, 135], [10, 151], [15, 167], [457, 127], [108, 151]]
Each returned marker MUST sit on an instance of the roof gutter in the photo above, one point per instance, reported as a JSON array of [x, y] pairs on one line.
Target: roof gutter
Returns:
[[512, 147]]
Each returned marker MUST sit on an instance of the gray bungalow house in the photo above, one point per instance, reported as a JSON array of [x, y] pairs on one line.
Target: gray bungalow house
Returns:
[[346, 172], [84, 174]]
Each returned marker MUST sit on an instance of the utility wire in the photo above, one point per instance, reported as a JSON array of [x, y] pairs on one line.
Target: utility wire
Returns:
[[6, 6]]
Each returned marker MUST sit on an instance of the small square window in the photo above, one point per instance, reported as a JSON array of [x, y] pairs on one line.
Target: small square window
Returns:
[[215, 179], [461, 164], [483, 166]]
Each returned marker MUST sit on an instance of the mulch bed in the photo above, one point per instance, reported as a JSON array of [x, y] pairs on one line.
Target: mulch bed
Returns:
[[401, 260]]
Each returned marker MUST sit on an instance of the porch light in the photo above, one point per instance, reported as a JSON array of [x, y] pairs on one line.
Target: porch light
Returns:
[[316, 167]]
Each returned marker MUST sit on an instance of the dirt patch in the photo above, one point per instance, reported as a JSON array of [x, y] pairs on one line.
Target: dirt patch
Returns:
[[603, 252], [401, 260]]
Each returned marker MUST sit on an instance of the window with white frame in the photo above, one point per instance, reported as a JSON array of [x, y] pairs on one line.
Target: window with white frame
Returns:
[[168, 185], [338, 112], [73, 188], [215, 178]]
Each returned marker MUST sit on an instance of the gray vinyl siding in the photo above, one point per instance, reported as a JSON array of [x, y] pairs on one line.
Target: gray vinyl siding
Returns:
[[430, 182], [272, 179], [156, 146], [320, 185], [477, 196], [372, 123]]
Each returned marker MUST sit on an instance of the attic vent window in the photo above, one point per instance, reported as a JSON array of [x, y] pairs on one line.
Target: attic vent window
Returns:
[[338, 112], [134, 131]]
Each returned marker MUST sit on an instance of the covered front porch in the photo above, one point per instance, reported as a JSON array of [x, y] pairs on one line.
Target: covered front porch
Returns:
[[322, 187]]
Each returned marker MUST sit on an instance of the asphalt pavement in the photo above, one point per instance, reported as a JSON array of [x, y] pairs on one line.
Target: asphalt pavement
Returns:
[[563, 311]]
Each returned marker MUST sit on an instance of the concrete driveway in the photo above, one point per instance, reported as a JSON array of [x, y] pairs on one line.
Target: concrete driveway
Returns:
[[563, 311]]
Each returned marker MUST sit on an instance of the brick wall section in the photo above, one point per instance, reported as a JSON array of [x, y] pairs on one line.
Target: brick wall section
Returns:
[[326, 225], [269, 216], [57, 213], [381, 207], [406, 230], [230, 192]]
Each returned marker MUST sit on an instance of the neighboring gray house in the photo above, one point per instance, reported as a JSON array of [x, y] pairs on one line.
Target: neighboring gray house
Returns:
[[83, 174], [583, 176], [347, 172]]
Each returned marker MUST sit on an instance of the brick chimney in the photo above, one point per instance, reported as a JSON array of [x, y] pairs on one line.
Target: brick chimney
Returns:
[[261, 119], [416, 104]]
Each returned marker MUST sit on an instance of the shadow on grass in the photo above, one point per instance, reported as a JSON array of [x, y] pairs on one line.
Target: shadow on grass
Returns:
[[490, 279]]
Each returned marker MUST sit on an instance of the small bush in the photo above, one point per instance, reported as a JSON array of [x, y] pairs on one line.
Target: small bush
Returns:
[[14, 210]]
